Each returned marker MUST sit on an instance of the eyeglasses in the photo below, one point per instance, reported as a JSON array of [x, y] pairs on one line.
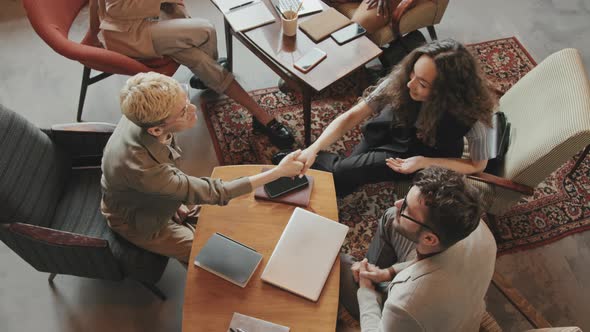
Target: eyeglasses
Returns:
[[403, 208]]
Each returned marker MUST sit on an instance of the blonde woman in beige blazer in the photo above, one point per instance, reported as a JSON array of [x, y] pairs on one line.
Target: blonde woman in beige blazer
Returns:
[[145, 195], [154, 28], [444, 259]]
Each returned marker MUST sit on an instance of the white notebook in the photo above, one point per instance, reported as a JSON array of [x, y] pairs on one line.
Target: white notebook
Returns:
[[245, 15], [305, 254]]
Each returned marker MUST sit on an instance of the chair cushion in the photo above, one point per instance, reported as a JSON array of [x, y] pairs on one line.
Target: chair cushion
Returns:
[[424, 13], [556, 94], [79, 212], [32, 171]]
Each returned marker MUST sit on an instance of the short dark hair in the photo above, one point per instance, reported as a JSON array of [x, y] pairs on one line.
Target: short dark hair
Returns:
[[454, 206]]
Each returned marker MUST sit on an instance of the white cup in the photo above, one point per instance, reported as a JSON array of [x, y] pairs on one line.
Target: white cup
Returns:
[[289, 21]]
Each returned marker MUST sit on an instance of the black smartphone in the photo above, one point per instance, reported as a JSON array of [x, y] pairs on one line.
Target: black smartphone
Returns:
[[348, 33], [310, 59], [284, 185]]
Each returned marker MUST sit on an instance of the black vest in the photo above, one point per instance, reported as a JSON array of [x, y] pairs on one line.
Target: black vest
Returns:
[[382, 134]]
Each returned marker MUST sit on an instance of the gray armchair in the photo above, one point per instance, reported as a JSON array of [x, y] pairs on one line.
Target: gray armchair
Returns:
[[50, 196]]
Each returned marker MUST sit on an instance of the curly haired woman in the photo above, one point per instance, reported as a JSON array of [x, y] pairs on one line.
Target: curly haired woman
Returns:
[[425, 107]]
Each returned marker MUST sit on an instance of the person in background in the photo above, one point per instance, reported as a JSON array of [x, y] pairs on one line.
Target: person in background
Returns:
[[155, 28], [424, 108], [145, 195], [430, 264], [371, 14]]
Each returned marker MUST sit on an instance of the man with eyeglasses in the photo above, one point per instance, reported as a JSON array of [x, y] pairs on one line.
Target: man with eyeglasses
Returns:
[[430, 263], [145, 195]]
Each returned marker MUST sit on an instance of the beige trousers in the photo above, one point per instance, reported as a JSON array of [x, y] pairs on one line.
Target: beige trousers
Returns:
[[192, 42], [173, 240], [189, 41]]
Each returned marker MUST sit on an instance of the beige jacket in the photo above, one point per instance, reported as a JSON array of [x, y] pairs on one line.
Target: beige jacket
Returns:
[[444, 292], [143, 187], [125, 25]]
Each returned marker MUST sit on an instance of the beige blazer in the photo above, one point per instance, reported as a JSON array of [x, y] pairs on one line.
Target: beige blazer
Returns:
[[143, 187], [444, 292], [125, 25]]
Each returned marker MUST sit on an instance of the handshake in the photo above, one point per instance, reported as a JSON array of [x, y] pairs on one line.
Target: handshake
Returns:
[[295, 163]]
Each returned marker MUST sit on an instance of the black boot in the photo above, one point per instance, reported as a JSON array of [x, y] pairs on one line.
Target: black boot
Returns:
[[196, 83], [279, 134]]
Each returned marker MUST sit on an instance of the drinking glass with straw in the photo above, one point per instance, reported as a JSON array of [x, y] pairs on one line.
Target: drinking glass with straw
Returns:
[[295, 13]]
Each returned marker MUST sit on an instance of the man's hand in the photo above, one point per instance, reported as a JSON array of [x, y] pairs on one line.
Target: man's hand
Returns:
[[181, 214], [382, 6], [290, 166], [407, 166], [93, 40], [364, 282], [372, 273]]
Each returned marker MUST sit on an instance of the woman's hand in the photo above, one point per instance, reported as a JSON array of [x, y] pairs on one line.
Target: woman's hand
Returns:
[[307, 157], [407, 166], [290, 166], [382, 6]]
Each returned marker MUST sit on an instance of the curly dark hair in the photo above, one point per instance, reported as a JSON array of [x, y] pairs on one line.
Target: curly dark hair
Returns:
[[459, 88], [454, 206]]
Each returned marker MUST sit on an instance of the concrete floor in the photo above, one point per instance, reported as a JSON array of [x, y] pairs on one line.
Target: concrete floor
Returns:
[[44, 87]]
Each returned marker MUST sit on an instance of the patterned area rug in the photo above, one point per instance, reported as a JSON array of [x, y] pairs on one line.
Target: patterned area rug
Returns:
[[559, 206]]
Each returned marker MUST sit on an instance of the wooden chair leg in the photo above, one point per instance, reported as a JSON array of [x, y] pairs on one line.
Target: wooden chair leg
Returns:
[[83, 89], [579, 161], [432, 32], [521, 304], [154, 290]]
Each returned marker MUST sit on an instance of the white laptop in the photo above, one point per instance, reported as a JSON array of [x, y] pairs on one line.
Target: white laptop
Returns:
[[308, 6], [305, 254]]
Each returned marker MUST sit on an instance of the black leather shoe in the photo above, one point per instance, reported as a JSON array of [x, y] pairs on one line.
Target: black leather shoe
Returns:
[[196, 82], [279, 134], [277, 157]]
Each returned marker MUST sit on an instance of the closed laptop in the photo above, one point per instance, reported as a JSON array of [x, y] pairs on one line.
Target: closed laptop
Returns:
[[305, 254]]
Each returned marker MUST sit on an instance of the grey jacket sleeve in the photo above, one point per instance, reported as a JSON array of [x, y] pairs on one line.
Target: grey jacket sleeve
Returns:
[[167, 180], [391, 319]]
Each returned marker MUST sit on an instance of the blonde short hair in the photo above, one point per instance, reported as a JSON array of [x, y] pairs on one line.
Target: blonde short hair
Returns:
[[147, 98]]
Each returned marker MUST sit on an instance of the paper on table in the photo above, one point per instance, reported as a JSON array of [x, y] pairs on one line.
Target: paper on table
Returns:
[[251, 324], [226, 5], [249, 16]]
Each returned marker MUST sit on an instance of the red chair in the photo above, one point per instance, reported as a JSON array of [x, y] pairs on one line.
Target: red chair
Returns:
[[52, 20]]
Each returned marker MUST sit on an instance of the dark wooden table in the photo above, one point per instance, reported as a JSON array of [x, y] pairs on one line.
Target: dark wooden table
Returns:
[[279, 53]]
